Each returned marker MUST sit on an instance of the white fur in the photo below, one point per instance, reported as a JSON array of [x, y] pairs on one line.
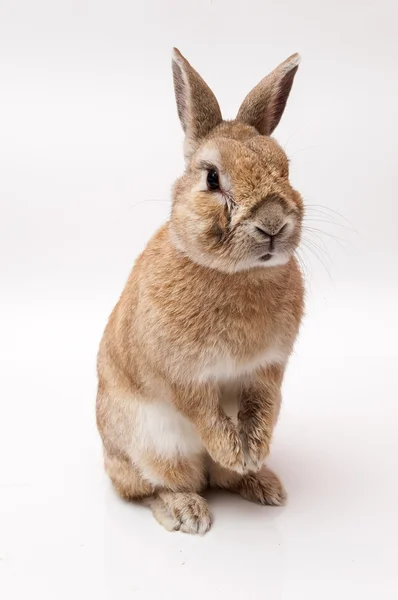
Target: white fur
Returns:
[[226, 368], [278, 259], [201, 186], [211, 154], [160, 428], [231, 388], [190, 146]]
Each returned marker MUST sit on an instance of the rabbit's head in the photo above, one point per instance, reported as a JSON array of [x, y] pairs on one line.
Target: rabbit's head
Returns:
[[234, 208]]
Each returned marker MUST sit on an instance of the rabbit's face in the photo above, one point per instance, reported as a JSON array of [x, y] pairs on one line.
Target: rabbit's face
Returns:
[[234, 208]]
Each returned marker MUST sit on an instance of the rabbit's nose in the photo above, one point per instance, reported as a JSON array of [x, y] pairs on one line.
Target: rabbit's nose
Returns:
[[271, 232]]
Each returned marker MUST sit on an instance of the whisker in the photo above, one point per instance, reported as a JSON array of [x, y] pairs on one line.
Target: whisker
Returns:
[[290, 137], [323, 249], [322, 263], [321, 206], [330, 222], [317, 231], [311, 249], [295, 131], [305, 149], [317, 212], [321, 241], [303, 265]]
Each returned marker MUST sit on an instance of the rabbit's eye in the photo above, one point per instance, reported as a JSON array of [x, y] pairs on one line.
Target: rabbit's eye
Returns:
[[213, 182]]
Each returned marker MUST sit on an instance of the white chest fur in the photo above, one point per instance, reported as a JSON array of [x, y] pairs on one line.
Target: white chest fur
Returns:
[[225, 368]]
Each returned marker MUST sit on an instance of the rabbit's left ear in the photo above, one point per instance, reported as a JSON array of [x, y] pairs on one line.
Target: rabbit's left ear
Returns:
[[197, 106], [264, 105]]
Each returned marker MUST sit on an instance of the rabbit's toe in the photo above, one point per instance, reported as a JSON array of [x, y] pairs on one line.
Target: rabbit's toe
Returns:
[[179, 511]]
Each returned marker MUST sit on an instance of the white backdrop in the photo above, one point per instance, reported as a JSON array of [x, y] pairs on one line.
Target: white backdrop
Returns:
[[90, 144]]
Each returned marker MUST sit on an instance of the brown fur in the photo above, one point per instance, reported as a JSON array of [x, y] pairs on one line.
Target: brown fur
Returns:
[[201, 310]]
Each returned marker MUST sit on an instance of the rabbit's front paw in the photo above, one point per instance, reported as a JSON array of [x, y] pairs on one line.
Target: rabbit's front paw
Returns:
[[255, 444], [227, 449]]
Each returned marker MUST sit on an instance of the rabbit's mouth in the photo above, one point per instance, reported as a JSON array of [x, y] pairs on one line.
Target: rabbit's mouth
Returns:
[[266, 257], [273, 259]]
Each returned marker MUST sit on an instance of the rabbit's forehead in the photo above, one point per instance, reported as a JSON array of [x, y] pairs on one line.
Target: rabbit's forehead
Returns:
[[256, 157]]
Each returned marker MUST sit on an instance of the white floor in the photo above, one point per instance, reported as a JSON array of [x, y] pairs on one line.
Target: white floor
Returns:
[[64, 533]]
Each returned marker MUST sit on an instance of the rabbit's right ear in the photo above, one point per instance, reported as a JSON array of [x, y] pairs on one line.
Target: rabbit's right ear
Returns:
[[197, 106]]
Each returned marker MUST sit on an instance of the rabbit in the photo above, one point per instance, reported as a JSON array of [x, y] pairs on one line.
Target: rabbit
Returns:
[[192, 359]]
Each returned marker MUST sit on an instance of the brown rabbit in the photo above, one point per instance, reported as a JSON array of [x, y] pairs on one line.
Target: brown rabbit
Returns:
[[191, 363]]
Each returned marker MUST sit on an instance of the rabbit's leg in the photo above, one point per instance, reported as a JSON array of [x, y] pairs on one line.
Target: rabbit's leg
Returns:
[[259, 405], [200, 403], [181, 511], [125, 477], [263, 487], [176, 511]]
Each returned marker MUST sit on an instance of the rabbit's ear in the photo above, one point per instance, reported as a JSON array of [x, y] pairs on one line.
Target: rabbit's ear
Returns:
[[197, 106], [264, 105]]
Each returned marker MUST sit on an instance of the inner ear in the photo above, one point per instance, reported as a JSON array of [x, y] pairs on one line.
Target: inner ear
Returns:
[[264, 105], [180, 90], [197, 106]]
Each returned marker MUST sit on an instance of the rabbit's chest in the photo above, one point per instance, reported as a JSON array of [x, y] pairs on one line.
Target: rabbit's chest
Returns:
[[220, 365], [238, 349]]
